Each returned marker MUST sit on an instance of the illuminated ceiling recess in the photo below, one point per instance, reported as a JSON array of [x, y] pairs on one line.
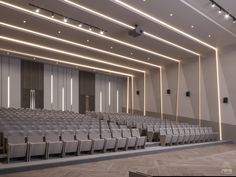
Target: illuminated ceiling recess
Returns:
[[67, 53], [86, 31], [75, 44], [164, 24], [65, 62], [118, 22]]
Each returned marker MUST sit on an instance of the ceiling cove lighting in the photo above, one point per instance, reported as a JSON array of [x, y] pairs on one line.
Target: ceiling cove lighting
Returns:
[[76, 5], [76, 44], [156, 20], [86, 31], [66, 62], [68, 53]]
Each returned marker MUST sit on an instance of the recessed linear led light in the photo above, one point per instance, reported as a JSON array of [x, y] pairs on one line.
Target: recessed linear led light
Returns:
[[154, 19], [87, 31], [67, 62], [68, 53], [76, 44]]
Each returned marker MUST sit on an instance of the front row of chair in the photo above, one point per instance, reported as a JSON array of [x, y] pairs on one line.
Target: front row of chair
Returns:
[[169, 136], [52, 142]]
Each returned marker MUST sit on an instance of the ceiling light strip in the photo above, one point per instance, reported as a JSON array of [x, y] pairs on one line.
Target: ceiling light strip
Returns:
[[87, 31], [160, 22], [68, 53], [76, 44], [66, 62], [125, 25]]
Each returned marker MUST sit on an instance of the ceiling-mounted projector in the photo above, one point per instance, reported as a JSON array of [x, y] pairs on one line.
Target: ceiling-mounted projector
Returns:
[[137, 31]]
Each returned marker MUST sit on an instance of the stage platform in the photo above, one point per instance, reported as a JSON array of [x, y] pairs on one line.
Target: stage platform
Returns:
[[151, 148]]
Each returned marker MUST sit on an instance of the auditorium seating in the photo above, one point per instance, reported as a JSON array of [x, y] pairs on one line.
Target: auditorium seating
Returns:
[[29, 133]]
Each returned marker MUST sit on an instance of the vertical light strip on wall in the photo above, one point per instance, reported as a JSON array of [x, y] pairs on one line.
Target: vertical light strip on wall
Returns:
[[51, 89], [8, 91], [161, 92], [144, 94], [218, 93], [63, 99], [117, 101], [132, 94], [100, 101], [177, 94], [200, 92], [127, 106], [71, 91], [109, 94]]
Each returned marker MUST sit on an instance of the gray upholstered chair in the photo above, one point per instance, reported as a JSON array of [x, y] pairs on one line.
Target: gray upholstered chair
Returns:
[[141, 140], [165, 136], [132, 141], [16, 145], [84, 144], [54, 144], [70, 145], [181, 136], [120, 141], [36, 143], [98, 143], [175, 136], [110, 143], [187, 135]]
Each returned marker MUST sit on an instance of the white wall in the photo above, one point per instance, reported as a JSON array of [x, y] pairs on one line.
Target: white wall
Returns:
[[10, 66], [61, 79], [102, 85]]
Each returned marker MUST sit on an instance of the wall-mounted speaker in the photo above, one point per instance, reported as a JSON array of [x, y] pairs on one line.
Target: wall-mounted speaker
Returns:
[[168, 91], [225, 100], [137, 92], [188, 94]]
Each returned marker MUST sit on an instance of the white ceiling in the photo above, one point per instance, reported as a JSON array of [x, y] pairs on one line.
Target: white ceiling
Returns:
[[183, 18]]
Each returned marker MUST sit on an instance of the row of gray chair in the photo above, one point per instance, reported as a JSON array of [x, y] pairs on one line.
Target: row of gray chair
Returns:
[[169, 136], [37, 143]]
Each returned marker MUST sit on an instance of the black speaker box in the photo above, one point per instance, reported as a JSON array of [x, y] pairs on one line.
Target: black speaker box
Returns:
[[225, 100], [168, 91], [188, 94]]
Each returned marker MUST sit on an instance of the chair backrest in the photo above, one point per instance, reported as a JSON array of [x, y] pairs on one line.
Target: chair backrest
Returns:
[[68, 135], [52, 135], [197, 131], [175, 131], [94, 134], [162, 131], [126, 133], [150, 128], [81, 134], [169, 131], [16, 137], [181, 131], [116, 133], [135, 132], [187, 131], [35, 136], [192, 131], [105, 133]]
